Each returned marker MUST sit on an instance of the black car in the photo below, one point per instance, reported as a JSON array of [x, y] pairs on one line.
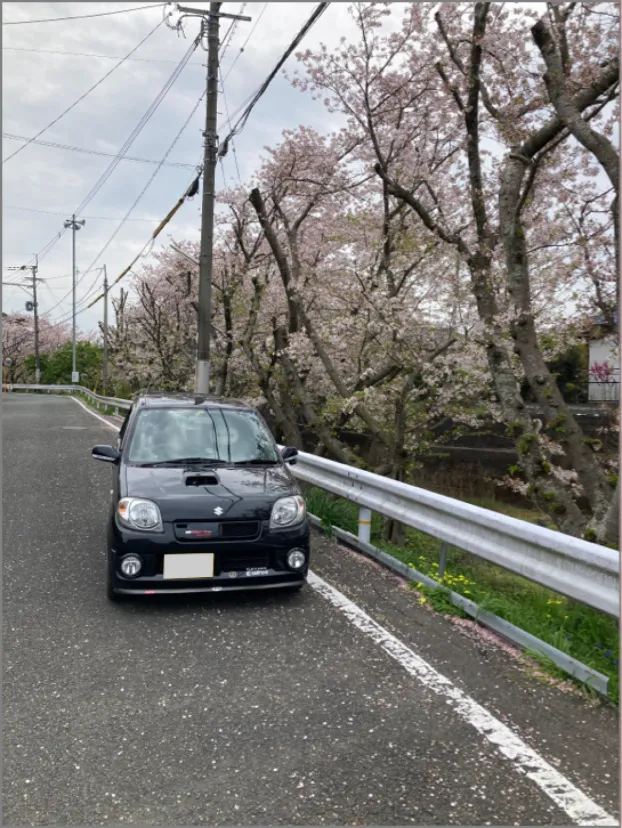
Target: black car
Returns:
[[202, 501]]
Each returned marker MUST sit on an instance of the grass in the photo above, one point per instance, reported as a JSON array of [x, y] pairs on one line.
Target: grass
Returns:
[[583, 633]]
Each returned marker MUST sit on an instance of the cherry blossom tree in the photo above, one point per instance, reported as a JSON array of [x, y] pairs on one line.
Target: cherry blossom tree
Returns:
[[18, 341], [454, 114]]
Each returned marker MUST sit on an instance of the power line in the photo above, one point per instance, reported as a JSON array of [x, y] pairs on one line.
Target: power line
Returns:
[[90, 218], [91, 54], [241, 122], [81, 98], [148, 184], [83, 16], [139, 127], [141, 124], [230, 32], [12, 137], [235, 155], [64, 319], [250, 34]]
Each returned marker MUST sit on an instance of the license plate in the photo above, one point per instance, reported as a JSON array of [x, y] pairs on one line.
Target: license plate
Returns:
[[193, 565]]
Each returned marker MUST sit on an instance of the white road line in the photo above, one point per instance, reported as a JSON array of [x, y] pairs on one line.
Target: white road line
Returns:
[[99, 417], [580, 808]]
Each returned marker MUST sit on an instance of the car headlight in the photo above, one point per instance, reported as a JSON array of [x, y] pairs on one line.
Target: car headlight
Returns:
[[288, 511], [138, 513]]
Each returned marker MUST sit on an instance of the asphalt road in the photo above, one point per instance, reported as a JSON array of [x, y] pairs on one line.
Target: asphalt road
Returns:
[[259, 709]]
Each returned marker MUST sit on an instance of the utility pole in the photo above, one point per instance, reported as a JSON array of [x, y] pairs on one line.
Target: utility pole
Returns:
[[34, 306], [105, 366], [75, 225], [210, 149]]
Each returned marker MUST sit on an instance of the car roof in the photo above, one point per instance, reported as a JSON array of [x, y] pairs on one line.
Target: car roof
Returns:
[[187, 399]]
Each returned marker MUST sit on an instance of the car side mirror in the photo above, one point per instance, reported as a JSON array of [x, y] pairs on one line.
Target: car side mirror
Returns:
[[289, 455], [106, 453]]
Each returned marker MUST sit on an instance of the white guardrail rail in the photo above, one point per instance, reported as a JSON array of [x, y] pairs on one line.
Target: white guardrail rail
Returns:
[[580, 570]]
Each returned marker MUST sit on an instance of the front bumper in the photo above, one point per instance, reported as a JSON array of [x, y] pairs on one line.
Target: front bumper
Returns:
[[254, 564]]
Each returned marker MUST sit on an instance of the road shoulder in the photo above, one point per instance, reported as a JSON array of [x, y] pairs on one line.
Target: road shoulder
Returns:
[[577, 737]]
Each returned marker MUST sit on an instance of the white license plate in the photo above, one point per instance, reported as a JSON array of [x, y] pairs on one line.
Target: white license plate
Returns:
[[194, 565]]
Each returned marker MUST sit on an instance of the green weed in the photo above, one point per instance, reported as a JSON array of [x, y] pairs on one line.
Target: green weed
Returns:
[[585, 634]]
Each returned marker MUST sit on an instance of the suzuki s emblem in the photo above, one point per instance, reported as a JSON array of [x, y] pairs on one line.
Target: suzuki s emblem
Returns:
[[218, 510]]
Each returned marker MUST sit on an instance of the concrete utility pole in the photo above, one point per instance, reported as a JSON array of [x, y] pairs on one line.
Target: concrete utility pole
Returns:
[[36, 315], [202, 376], [75, 225], [105, 365], [35, 308]]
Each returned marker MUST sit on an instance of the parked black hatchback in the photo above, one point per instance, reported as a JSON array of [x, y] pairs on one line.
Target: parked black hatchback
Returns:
[[202, 501]]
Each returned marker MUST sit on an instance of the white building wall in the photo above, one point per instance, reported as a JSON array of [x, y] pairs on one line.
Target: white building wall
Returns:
[[604, 350]]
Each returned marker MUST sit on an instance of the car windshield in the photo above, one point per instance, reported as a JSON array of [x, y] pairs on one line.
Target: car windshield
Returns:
[[193, 435]]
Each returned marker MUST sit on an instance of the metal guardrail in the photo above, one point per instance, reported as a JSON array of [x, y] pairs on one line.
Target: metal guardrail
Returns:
[[580, 570], [103, 402]]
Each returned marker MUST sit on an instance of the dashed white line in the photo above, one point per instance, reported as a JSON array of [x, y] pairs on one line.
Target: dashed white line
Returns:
[[580, 808]]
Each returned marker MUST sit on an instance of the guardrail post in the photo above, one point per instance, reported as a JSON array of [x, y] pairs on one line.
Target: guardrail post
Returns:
[[364, 525], [442, 560], [116, 410]]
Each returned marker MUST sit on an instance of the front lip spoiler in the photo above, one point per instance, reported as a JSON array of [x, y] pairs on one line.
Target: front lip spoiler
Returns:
[[192, 590]]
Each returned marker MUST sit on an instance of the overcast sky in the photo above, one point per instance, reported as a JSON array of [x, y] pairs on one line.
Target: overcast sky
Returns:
[[39, 85]]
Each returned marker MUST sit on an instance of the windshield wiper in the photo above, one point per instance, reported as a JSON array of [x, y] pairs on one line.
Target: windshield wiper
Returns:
[[255, 461], [180, 461]]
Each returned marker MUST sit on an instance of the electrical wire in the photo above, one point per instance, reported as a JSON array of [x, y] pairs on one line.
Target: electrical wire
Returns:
[[82, 97], [65, 319], [237, 57], [112, 166], [89, 218], [235, 155], [83, 16], [151, 179], [241, 122], [230, 32], [92, 55], [91, 151], [139, 127]]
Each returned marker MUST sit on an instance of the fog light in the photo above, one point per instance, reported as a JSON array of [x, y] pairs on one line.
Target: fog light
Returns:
[[131, 566], [296, 559]]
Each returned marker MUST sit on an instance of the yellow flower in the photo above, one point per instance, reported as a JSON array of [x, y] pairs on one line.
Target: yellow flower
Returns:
[[423, 600], [419, 585], [467, 591]]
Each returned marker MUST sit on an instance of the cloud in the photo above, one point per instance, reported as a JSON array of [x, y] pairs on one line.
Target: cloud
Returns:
[[38, 86]]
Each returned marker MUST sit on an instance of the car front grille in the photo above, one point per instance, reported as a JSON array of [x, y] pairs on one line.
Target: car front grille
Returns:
[[191, 532], [235, 560], [237, 531]]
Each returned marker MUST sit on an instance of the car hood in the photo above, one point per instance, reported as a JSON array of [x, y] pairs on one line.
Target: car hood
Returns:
[[188, 493]]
